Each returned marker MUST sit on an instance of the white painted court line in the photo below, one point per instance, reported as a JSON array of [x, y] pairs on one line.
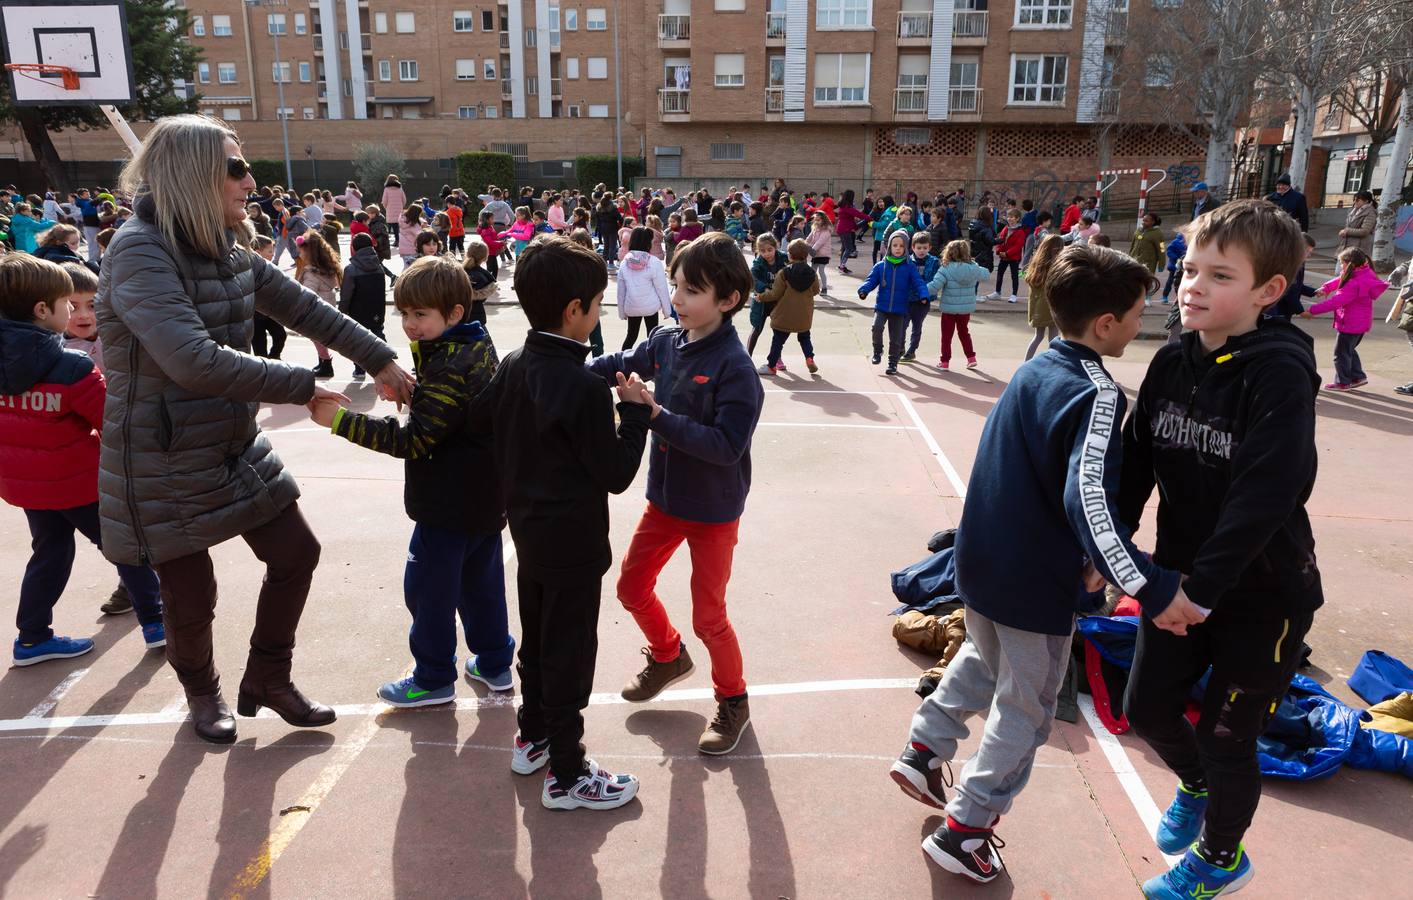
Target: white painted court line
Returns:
[[45, 706], [1124, 771], [898, 427]]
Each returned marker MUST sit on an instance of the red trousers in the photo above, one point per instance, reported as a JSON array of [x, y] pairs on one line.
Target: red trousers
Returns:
[[956, 322], [711, 545]]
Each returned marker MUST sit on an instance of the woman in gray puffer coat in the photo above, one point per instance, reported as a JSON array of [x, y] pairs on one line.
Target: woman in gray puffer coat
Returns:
[[183, 465]]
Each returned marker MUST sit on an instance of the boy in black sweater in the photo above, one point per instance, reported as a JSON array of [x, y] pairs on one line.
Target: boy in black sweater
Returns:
[[559, 458], [1224, 426]]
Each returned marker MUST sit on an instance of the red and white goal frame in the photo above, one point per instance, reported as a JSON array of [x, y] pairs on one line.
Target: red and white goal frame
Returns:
[[1110, 177]]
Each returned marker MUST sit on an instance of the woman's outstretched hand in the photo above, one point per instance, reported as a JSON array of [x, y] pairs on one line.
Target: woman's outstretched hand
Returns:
[[395, 383], [324, 404]]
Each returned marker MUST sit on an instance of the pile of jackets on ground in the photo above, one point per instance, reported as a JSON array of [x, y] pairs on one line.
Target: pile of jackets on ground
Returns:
[[1312, 734]]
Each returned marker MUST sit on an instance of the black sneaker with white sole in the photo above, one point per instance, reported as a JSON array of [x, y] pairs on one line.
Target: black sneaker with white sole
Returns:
[[969, 852], [922, 775]]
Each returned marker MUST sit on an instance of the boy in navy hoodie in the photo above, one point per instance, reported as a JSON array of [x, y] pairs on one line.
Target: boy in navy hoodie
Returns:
[[1049, 459], [1224, 426], [454, 563], [708, 401], [927, 266]]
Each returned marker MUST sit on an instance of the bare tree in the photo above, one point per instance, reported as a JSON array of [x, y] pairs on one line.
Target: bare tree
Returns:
[[1391, 197], [1372, 100]]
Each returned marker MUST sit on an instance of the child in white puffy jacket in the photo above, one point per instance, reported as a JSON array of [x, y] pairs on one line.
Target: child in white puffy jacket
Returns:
[[642, 286]]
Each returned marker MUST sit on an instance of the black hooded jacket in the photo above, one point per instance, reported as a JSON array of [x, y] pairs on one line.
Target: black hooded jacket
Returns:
[[363, 293], [1228, 437]]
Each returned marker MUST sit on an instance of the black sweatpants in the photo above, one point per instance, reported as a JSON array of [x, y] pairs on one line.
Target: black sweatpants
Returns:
[[1252, 662], [647, 322], [559, 644], [266, 326]]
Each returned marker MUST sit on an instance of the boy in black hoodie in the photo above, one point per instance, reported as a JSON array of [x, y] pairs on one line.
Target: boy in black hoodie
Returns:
[[1224, 425], [559, 458]]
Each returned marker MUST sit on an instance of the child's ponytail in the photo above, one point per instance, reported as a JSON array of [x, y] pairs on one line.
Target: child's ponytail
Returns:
[[1355, 260]]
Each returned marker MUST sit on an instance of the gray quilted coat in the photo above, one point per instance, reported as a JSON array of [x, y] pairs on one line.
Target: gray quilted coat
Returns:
[[183, 465]]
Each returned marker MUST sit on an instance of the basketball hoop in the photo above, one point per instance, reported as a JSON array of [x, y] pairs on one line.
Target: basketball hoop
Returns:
[[67, 76]]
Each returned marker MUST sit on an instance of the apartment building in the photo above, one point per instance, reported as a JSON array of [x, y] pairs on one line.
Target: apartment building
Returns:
[[825, 93]]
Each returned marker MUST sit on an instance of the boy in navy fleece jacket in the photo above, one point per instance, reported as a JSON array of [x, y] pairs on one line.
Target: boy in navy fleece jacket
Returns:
[[1048, 460], [699, 472]]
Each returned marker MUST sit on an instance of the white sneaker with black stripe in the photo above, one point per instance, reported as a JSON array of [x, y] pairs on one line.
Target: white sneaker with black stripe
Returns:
[[595, 789], [528, 758]]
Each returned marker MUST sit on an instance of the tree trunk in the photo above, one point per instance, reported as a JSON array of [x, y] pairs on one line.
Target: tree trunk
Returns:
[[1393, 185], [37, 135], [1303, 137], [1219, 154]]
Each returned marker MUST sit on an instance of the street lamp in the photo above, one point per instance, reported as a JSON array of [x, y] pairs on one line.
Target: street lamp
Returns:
[[280, 88], [617, 97]]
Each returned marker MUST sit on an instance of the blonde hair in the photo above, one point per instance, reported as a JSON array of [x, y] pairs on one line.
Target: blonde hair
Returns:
[[476, 252], [1044, 258], [1270, 239], [956, 251], [182, 167], [59, 234]]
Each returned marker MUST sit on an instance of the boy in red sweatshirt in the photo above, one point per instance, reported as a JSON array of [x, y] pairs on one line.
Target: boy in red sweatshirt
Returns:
[[1010, 247], [51, 411]]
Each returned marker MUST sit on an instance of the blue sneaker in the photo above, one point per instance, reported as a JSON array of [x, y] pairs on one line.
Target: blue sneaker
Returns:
[[405, 693], [1180, 824], [1193, 878], [55, 648], [500, 682], [154, 635]]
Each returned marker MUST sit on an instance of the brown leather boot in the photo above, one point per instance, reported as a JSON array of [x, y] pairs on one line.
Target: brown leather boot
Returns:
[[656, 676], [286, 700], [211, 718]]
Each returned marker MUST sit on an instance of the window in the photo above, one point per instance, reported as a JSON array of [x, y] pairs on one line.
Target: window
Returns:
[[347, 87], [669, 165], [198, 26], [407, 70], [304, 73], [466, 70], [385, 70], [462, 20], [275, 24], [598, 110], [308, 112], [1166, 4], [492, 112], [729, 5], [532, 85], [964, 71], [598, 67], [1039, 80], [912, 136], [488, 70], [912, 70], [279, 72], [380, 23], [466, 112], [406, 23], [286, 113], [730, 70], [529, 37], [571, 20], [595, 20], [203, 73], [572, 111], [301, 24], [554, 25], [411, 112], [1159, 72], [728, 152], [221, 26], [1044, 13], [571, 67], [388, 112], [1354, 176], [226, 73], [488, 20], [1332, 116], [843, 14], [840, 78]]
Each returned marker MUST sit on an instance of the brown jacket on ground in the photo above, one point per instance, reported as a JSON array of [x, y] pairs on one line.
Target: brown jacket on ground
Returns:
[[793, 294]]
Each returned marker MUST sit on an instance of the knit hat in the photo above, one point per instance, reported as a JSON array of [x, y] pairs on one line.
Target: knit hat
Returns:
[[1284, 179]]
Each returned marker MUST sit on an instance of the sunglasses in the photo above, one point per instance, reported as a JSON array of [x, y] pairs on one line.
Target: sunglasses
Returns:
[[237, 168]]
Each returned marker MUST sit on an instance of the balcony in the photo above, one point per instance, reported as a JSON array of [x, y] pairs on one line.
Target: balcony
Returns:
[[674, 31], [909, 100], [969, 27], [1108, 102], [774, 101], [556, 88], [775, 27], [674, 102], [964, 102], [1116, 31], [914, 29], [505, 91], [505, 40]]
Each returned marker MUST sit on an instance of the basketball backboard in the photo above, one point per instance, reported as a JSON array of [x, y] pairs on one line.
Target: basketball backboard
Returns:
[[88, 36]]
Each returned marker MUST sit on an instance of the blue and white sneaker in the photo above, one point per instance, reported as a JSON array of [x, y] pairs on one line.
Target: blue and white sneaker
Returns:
[[55, 648], [500, 682], [529, 757], [1193, 877], [1181, 823], [405, 693], [595, 789], [154, 635]]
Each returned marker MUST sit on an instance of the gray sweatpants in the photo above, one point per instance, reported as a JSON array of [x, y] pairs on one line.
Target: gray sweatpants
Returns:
[[1016, 673]]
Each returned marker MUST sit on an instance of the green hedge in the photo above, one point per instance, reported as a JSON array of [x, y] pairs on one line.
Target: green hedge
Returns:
[[268, 172], [476, 169], [602, 167]]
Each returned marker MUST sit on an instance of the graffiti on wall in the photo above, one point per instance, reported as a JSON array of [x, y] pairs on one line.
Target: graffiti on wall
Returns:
[[1184, 174]]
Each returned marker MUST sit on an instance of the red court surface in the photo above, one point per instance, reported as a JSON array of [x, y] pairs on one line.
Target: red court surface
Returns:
[[108, 794]]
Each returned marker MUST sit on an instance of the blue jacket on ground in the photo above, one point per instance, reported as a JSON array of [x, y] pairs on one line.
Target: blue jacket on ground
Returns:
[[926, 267], [699, 453], [1042, 499], [954, 284], [898, 285]]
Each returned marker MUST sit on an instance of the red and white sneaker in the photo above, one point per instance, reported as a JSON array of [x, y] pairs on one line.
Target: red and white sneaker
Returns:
[[971, 362], [944, 365], [595, 789], [1337, 386], [529, 758]]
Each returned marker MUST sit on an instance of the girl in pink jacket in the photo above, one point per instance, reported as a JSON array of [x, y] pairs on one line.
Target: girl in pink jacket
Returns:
[[521, 231], [1352, 297], [821, 241]]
